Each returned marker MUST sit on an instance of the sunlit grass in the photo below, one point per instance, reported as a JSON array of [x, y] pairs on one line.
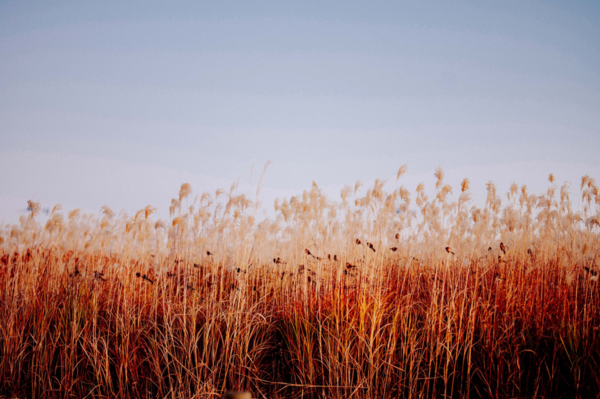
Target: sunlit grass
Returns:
[[370, 296]]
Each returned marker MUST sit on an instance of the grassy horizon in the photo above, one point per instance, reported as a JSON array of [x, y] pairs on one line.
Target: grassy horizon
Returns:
[[369, 296]]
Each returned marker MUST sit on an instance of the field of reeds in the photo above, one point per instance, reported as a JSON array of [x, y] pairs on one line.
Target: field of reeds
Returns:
[[365, 296]]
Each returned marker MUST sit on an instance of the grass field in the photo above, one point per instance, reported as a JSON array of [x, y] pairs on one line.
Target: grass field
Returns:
[[376, 296]]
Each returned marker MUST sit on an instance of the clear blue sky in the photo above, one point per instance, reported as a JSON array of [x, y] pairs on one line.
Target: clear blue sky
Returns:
[[120, 102]]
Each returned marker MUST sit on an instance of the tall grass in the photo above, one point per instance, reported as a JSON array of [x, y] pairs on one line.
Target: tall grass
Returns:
[[370, 296]]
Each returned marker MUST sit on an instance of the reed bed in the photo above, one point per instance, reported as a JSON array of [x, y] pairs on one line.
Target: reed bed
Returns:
[[369, 296]]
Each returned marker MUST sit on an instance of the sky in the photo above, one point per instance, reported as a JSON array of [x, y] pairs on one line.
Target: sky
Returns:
[[120, 102]]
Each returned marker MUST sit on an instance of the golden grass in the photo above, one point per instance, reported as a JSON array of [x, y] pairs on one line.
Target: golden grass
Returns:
[[367, 297]]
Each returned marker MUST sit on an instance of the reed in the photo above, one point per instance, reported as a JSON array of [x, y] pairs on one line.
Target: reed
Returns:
[[365, 297]]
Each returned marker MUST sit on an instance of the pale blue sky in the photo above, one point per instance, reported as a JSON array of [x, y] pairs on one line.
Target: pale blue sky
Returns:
[[119, 103]]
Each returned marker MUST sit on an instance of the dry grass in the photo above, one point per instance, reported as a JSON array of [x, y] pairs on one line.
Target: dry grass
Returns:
[[369, 297]]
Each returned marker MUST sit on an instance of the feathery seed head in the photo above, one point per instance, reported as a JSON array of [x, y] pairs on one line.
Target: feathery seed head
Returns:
[[403, 169]]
